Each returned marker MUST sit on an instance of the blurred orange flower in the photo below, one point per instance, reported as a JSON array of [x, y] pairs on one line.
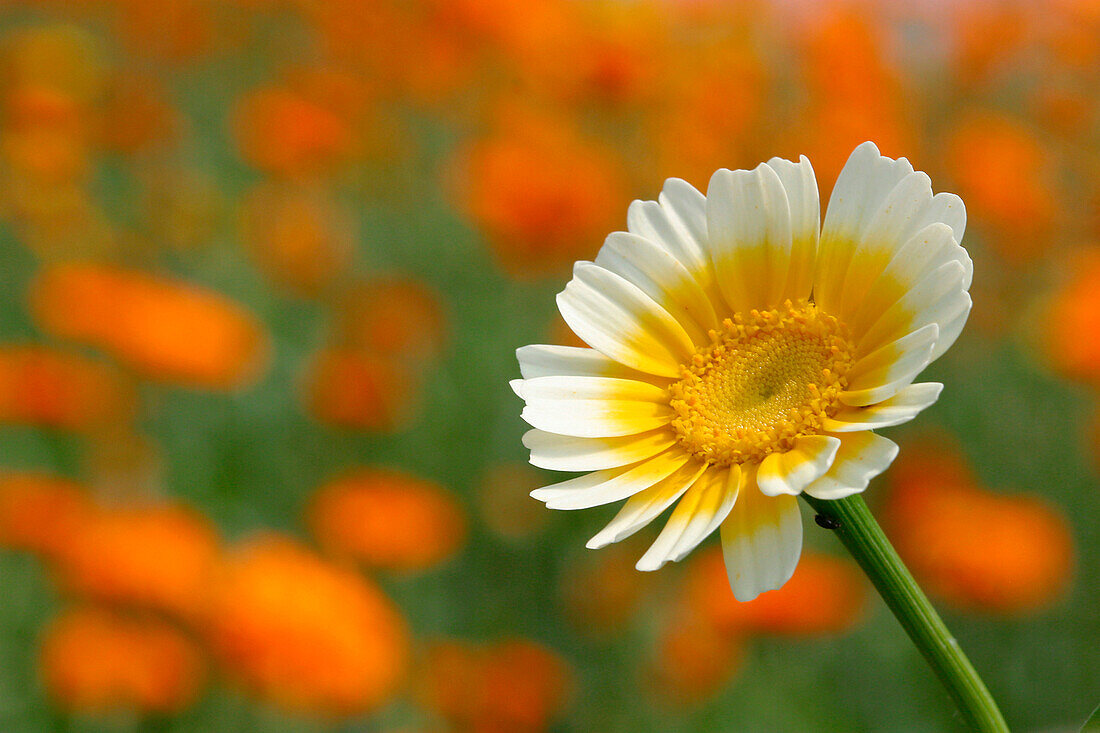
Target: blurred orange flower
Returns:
[[710, 113], [693, 659], [601, 594], [63, 58], [52, 77], [1069, 317], [1065, 110], [94, 661], [387, 519], [46, 155], [164, 329], [1004, 173], [350, 388], [345, 91], [829, 131], [700, 645], [855, 90], [58, 220], [443, 69], [393, 317], [528, 683], [987, 38], [281, 132], [46, 138], [51, 388], [448, 681], [1071, 36], [39, 512], [29, 107], [157, 557], [543, 195], [384, 40], [297, 236], [602, 53], [975, 549], [515, 31], [173, 30], [306, 635], [825, 595], [513, 685], [136, 114]]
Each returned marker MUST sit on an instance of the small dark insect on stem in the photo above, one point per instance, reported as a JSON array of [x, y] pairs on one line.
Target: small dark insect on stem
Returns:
[[826, 522]]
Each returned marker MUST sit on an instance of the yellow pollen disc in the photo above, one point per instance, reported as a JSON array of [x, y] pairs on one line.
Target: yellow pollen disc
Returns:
[[766, 378]]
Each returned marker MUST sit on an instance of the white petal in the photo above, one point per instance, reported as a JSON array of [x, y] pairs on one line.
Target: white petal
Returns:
[[938, 298], [596, 418], [945, 208], [677, 222], [622, 322], [802, 197], [898, 215], [761, 542], [567, 453], [882, 373], [900, 408], [749, 230], [886, 231], [726, 488], [931, 248], [861, 457], [593, 407], [806, 461], [693, 519], [642, 508], [735, 477], [660, 276], [545, 360], [604, 487], [950, 326], [590, 388], [863, 184]]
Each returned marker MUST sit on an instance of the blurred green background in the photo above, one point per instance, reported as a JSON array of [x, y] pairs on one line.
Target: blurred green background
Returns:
[[338, 220]]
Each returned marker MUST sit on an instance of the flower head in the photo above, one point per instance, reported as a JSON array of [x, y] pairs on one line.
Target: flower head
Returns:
[[387, 519], [743, 353], [305, 634], [97, 661], [975, 548], [513, 684], [159, 557]]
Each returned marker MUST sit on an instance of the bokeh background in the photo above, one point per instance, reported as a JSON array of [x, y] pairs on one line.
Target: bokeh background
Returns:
[[263, 268]]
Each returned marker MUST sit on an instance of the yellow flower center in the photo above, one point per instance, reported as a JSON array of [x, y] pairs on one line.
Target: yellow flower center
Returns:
[[766, 378]]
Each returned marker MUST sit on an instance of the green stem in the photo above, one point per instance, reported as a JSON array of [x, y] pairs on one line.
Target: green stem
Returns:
[[861, 534]]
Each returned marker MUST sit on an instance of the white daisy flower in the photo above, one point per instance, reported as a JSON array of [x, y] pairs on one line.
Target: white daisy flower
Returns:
[[742, 354]]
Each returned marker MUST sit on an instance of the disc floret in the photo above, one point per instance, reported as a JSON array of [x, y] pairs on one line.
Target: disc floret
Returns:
[[766, 378]]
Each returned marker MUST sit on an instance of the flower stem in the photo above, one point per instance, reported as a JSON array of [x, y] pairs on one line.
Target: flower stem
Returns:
[[861, 534]]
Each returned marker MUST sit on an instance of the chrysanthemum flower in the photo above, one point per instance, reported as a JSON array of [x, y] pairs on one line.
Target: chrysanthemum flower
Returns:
[[975, 548], [513, 684], [96, 661], [310, 636], [742, 354], [159, 557], [387, 519]]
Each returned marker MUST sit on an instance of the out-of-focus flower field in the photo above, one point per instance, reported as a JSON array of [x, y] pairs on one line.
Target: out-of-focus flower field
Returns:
[[263, 268]]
